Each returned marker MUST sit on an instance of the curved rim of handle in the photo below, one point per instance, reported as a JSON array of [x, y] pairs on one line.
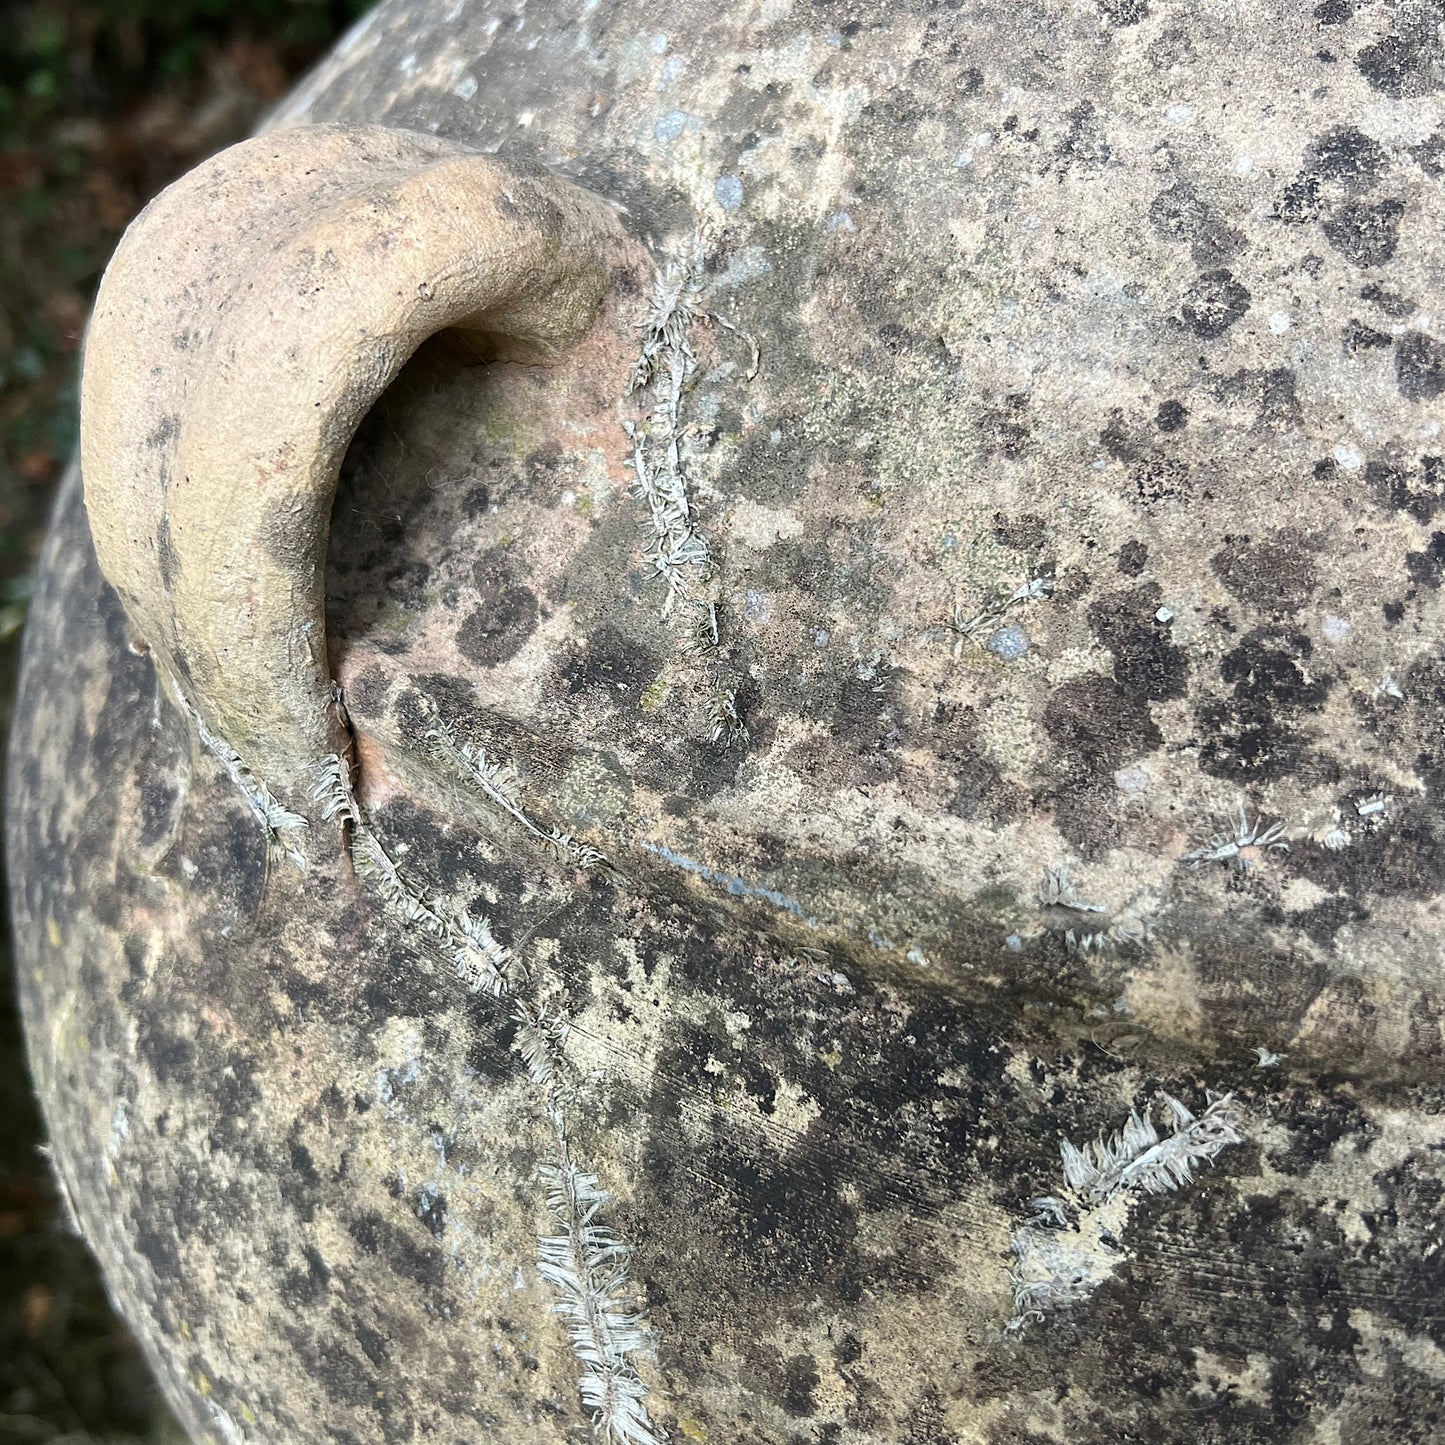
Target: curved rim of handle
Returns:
[[250, 317]]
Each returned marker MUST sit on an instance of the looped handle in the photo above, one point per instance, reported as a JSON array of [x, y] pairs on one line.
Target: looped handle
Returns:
[[250, 317]]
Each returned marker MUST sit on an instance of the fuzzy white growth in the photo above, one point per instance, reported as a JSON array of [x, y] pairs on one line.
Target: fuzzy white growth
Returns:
[[280, 824], [1241, 834], [333, 791], [1072, 1244], [498, 782], [1122, 933], [1058, 891], [1333, 834], [981, 624], [665, 363], [481, 962], [700, 636], [586, 1263], [405, 898], [1137, 1158], [541, 1040], [725, 723]]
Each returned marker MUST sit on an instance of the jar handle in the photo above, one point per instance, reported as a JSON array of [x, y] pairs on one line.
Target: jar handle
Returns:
[[250, 317]]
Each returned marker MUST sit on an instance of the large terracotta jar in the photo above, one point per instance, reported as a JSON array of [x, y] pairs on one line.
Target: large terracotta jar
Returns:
[[738, 735]]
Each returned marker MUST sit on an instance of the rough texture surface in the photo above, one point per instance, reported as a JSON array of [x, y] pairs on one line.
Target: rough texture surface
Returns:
[[1119, 305], [250, 317]]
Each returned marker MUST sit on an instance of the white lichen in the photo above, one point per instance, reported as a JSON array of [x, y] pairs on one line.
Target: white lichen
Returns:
[[1373, 806], [1058, 892], [1073, 1243], [665, 362], [480, 961], [281, 826], [587, 1264], [498, 783], [725, 723], [1239, 835], [1137, 1158]]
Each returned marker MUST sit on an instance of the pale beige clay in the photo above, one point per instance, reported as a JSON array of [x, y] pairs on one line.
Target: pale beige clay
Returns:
[[250, 317]]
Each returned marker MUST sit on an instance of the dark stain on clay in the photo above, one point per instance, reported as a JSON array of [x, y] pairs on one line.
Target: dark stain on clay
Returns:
[[1365, 233], [1274, 685], [611, 668], [1214, 301], [1180, 213], [1408, 61], [1145, 661], [495, 630], [1277, 576], [1419, 366]]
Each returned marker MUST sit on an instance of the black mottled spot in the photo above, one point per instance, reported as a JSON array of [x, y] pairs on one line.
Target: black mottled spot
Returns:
[[1300, 200], [367, 694], [300, 1183], [1419, 366], [1004, 430], [802, 1381], [374, 1345], [1179, 212], [613, 667], [1255, 734], [1392, 303], [1095, 725], [1145, 660], [1213, 303], [1427, 568], [1172, 416], [1133, 556], [346, 1379], [1406, 63], [1025, 533], [1327, 917], [431, 1209], [302, 1288], [1347, 157], [1335, 12], [159, 795], [495, 631], [158, 1247], [1358, 337], [1418, 493], [1271, 577], [1365, 233], [167, 558], [379, 1237], [1124, 12]]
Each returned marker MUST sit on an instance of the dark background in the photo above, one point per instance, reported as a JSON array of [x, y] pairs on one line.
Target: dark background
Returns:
[[101, 104]]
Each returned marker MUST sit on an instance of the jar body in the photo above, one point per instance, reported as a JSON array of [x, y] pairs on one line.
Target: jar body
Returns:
[[1088, 757]]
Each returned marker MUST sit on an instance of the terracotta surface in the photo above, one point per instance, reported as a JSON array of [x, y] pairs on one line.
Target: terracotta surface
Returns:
[[1072, 737]]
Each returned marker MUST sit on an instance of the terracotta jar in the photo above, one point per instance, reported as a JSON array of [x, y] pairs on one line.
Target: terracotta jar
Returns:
[[765, 765]]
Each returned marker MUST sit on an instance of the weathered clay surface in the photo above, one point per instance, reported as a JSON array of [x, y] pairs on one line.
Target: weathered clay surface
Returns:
[[1124, 297]]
